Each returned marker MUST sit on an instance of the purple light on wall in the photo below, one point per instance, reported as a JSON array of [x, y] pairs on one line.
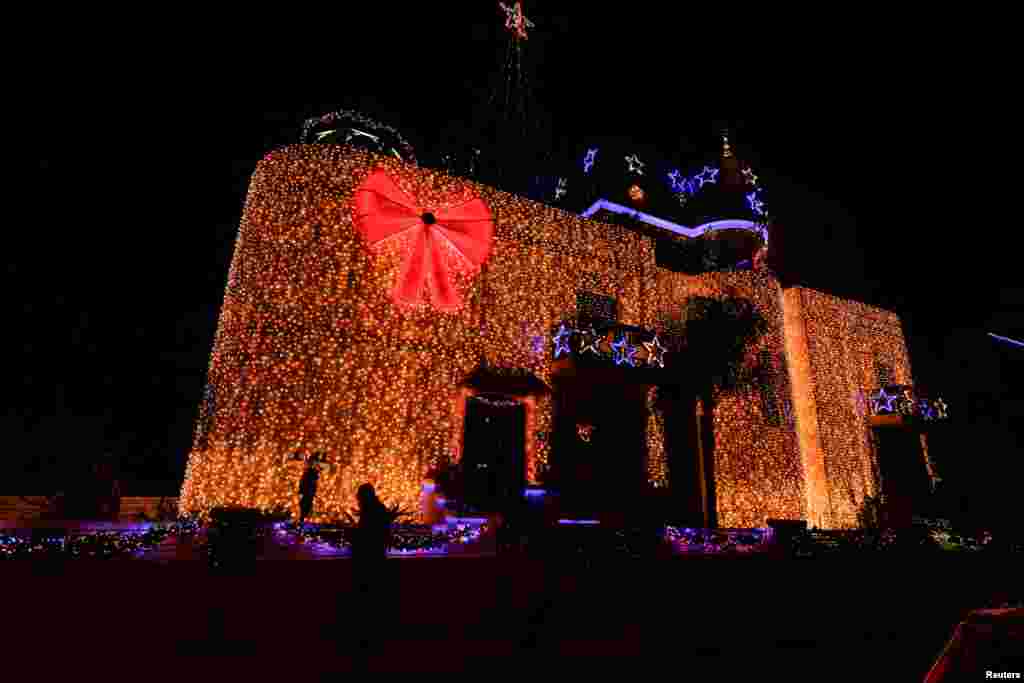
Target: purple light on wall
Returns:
[[1006, 339], [535, 493], [726, 224], [466, 520], [588, 522]]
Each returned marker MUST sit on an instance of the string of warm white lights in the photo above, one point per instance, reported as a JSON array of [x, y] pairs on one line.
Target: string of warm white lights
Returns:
[[312, 354]]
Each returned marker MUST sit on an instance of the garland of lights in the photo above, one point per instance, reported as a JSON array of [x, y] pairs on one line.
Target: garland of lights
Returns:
[[94, 545], [717, 540], [496, 402], [404, 538], [350, 116]]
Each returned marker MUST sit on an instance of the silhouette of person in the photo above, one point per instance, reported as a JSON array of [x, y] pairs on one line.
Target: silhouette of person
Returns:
[[370, 544], [307, 491], [369, 552]]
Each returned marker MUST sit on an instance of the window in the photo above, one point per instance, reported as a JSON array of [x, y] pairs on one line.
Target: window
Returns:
[[595, 309], [884, 374]]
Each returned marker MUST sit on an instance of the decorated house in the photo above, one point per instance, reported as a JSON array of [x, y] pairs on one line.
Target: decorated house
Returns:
[[395, 319]]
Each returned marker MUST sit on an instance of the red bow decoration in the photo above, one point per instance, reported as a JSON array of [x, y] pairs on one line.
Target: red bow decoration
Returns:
[[452, 236]]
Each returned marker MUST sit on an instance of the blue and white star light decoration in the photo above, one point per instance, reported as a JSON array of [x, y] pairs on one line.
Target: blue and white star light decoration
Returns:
[[754, 197], [622, 352], [560, 188], [685, 187], [634, 164], [588, 160], [655, 352], [883, 402], [561, 340], [902, 402], [590, 342]]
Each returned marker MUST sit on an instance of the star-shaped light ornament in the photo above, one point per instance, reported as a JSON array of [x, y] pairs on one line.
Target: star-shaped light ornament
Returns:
[[560, 190], [748, 175], [707, 176], [883, 401], [655, 352], [925, 409], [588, 160], [756, 205], [515, 20], [635, 165], [905, 404], [941, 409], [623, 352], [561, 340], [590, 342], [675, 180]]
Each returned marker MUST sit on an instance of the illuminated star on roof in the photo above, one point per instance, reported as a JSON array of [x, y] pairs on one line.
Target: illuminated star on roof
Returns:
[[635, 165], [515, 20], [674, 177], [756, 205], [560, 190], [588, 160]]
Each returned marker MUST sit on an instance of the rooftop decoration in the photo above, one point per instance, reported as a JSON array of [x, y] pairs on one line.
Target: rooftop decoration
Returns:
[[352, 127], [515, 21]]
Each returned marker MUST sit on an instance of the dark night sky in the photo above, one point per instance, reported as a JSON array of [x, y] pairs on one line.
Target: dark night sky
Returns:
[[882, 165]]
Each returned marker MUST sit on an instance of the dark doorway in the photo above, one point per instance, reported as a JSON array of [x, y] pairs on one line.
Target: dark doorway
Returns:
[[690, 486], [600, 448], [904, 475], [493, 455]]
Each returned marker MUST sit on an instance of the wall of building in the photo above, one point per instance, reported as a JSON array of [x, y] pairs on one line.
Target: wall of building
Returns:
[[836, 347], [757, 467], [312, 353]]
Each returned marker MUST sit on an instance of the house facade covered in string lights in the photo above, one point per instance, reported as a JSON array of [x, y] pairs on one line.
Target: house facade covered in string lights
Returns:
[[395, 318]]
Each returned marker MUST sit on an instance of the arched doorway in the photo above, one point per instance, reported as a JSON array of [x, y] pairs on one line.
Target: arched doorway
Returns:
[[494, 438]]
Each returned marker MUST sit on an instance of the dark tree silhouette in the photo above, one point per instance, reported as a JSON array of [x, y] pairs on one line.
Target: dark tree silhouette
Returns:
[[716, 334]]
